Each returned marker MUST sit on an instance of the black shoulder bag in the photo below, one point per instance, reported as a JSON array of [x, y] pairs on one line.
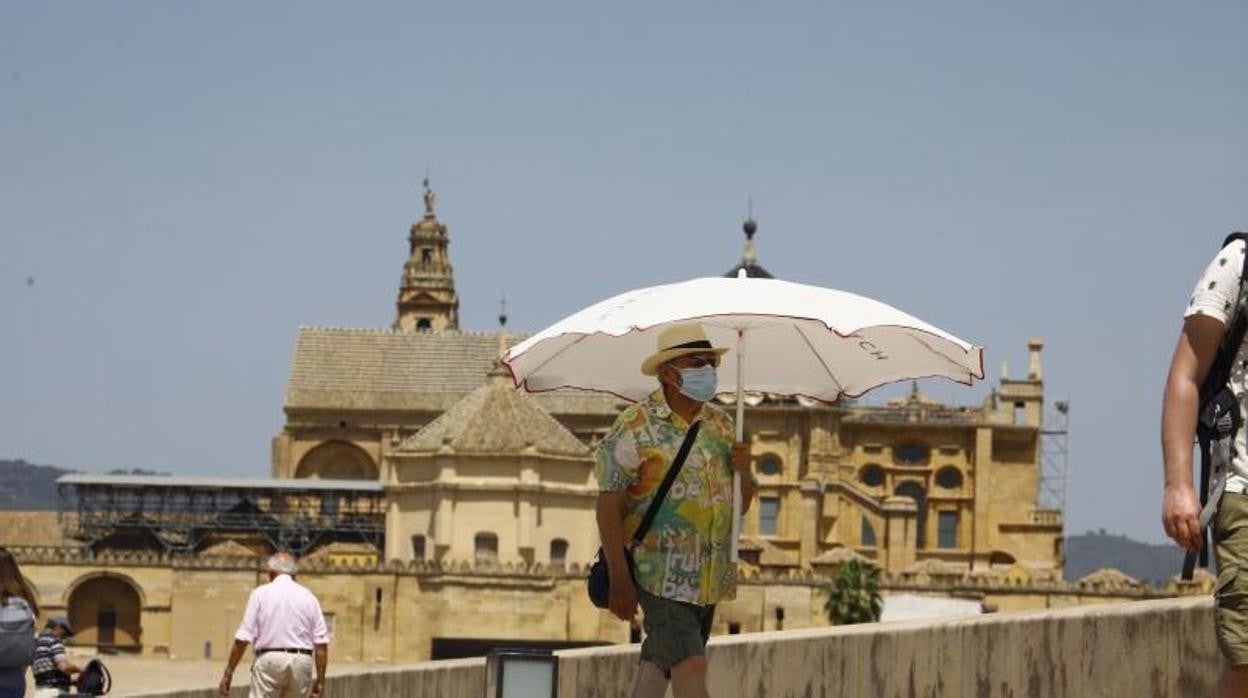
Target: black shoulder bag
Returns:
[[599, 577], [1218, 416]]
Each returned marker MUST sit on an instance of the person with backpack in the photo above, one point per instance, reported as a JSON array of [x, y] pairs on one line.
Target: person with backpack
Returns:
[[666, 470], [1204, 400], [18, 611], [52, 668]]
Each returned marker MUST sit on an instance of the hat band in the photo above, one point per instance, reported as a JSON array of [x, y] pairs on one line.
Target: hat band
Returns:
[[698, 344]]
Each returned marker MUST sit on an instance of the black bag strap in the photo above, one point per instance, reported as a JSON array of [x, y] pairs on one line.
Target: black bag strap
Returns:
[[670, 478]]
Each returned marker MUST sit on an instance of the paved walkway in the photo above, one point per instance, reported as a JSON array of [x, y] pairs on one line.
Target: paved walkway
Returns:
[[137, 675]]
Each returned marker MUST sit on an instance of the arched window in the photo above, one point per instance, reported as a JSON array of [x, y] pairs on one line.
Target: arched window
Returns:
[[558, 552], [424, 324], [949, 478], [770, 464], [914, 491], [868, 534], [337, 460], [486, 549], [871, 475]]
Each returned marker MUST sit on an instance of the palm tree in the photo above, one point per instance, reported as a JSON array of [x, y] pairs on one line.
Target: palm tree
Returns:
[[854, 594]]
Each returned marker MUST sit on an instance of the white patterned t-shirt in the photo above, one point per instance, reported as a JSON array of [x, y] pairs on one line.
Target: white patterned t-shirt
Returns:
[[1215, 296]]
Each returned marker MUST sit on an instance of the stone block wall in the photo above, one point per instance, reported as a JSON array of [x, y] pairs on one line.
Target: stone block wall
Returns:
[[1142, 649]]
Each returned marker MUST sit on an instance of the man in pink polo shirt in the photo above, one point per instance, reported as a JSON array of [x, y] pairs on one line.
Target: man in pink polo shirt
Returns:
[[284, 623]]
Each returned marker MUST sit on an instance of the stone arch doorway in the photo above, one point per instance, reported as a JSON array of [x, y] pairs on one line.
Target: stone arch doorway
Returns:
[[337, 460], [105, 611], [915, 491]]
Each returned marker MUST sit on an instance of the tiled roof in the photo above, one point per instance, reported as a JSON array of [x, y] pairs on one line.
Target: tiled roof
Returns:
[[496, 418], [392, 370]]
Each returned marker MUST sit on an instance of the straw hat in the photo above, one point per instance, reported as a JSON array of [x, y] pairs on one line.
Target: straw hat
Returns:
[[679, 340]]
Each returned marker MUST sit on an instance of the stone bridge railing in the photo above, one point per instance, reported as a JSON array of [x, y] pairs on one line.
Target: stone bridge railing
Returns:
[[1140, 649]]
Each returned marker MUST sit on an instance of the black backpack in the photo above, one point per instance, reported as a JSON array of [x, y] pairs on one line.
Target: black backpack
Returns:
[[1218, 416], [94, 679]]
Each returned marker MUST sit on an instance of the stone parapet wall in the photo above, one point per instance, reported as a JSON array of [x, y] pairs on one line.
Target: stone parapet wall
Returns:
[[1141, 649]]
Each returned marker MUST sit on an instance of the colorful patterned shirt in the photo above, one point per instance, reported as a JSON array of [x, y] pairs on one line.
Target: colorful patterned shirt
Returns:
[[685, 555]]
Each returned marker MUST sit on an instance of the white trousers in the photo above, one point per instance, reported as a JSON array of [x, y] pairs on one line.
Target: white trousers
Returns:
[[282, 675]]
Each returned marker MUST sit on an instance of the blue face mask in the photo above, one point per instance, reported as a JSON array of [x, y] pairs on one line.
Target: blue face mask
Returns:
[[698, 383]]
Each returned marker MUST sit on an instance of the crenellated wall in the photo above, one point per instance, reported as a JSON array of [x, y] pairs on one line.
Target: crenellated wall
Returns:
[[391, 612]]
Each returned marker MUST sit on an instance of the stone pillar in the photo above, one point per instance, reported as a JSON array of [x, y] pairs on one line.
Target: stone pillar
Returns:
[[526, 519], [812, 496], [981, 477], [280, 465], [397, 546], [1035, 371], [900, 533]]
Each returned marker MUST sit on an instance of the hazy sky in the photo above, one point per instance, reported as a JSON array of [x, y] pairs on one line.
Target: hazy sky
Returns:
[[183, 185]]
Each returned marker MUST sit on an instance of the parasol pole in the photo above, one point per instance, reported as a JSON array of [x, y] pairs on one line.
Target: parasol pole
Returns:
[[740, 426]]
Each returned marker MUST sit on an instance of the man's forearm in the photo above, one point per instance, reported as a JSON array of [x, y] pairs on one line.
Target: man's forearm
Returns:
[[236, 654], [1178, 430], [611, 531], [322, 659], [747, 494]]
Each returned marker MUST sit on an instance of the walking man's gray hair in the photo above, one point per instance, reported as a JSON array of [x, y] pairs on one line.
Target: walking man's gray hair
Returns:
[[283, 563]]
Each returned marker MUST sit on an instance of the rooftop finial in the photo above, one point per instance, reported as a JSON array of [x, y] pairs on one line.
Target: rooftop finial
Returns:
[[430, 197], [499, 372], [749, 255]]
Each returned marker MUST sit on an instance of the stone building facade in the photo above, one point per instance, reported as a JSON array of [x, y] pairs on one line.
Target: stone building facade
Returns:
[[488, 501], [900, 484]]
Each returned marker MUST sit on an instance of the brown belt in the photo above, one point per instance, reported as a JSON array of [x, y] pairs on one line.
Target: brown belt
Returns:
[[288, 650]]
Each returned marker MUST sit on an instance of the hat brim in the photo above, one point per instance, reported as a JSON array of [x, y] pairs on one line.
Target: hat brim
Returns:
[[651, 365]]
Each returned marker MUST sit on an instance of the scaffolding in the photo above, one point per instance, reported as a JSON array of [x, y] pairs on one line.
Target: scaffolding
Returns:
[[175, 515], [1054, 457]]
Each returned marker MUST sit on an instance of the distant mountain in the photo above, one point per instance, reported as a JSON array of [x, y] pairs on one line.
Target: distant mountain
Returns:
[[1155, 563], [28, 487]]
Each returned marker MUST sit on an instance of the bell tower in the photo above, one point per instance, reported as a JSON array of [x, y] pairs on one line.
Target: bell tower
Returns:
[[427, 299]]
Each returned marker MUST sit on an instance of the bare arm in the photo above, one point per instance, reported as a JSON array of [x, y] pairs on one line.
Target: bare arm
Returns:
[[741, 464], [1194, 354], [321, 654], [236, 654], [611, 507], [67, 667]]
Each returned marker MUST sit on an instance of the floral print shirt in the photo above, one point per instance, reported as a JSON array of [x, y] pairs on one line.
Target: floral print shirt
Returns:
[[685, 555]]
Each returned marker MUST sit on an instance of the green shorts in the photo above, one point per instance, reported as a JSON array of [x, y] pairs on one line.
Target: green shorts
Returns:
[[1230, 539], [675, 630]]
